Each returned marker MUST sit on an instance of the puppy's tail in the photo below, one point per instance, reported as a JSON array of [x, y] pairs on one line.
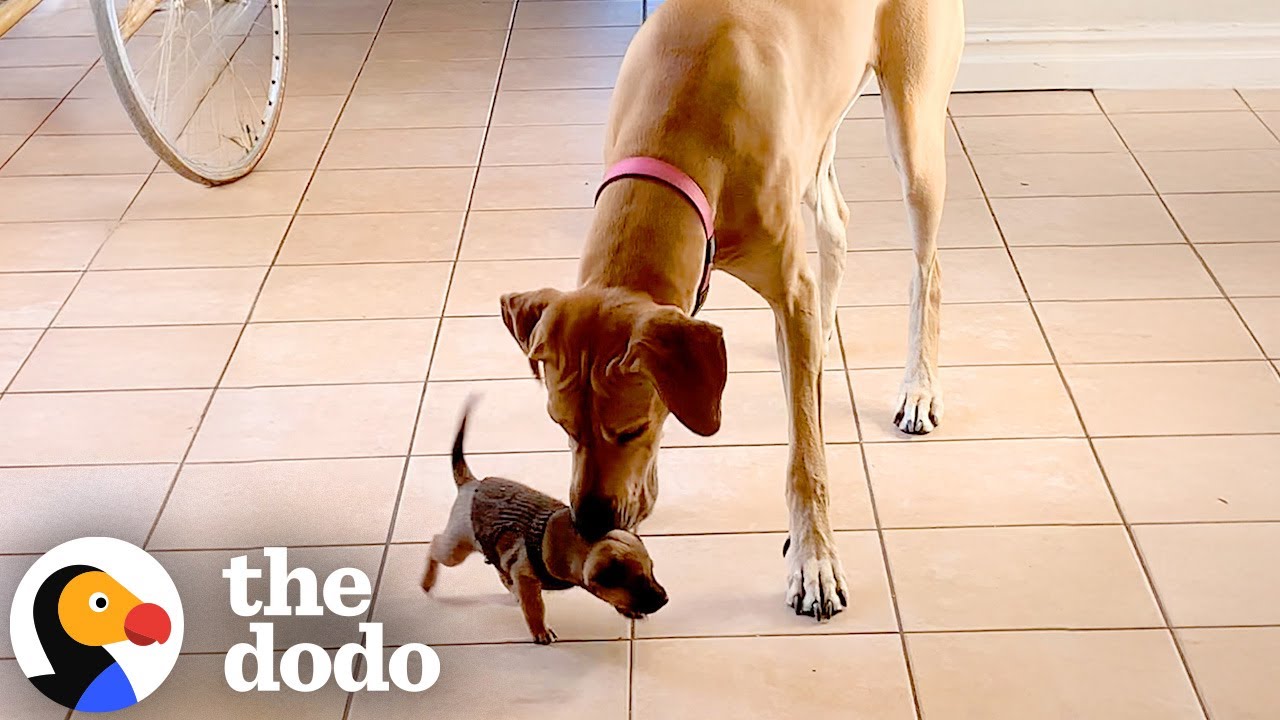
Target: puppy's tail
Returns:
[[461, 473]]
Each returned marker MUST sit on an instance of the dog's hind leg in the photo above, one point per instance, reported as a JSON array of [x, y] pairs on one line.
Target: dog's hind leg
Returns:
[[920, 44], [447, 550]]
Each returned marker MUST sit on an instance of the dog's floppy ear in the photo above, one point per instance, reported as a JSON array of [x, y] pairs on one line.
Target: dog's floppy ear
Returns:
[[685, 360], [521, 313]]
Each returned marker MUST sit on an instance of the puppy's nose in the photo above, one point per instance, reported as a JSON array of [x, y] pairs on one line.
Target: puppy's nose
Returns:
[[594, 517]]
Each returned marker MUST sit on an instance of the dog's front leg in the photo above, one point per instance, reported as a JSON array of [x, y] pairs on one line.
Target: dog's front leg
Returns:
[[815, 580], [529, 592]]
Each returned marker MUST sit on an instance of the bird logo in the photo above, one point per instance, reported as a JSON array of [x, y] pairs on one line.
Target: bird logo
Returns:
[[96, 625]]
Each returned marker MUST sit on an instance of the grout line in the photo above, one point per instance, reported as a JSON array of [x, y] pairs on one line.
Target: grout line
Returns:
[[1275, 132], [1129, 532]]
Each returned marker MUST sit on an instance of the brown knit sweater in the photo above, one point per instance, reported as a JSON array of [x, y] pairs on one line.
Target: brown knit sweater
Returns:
[[504, 512]]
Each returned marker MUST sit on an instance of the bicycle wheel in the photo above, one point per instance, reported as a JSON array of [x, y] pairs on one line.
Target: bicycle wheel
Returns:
[[202, 80]]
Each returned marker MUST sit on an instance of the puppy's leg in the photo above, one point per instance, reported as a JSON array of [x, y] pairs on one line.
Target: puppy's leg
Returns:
[[919, 52], [446, 549], [529, 592]]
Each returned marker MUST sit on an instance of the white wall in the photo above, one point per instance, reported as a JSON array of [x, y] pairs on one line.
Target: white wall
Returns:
[[1029, 44]]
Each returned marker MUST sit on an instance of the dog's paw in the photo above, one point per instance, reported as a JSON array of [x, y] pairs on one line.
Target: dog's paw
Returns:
[[919, 408], [816, 585], [546, 637], [632, 614]]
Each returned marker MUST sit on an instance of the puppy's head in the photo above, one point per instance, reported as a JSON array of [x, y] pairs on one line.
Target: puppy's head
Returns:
[[619, 571], [615, 364]]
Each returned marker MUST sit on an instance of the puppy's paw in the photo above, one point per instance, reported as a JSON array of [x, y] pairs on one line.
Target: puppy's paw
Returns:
[[816, 585], [919, 408], [546, 637], [631, 614]]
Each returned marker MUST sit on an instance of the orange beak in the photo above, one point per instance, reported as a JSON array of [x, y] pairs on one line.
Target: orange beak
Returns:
[[147, 624]]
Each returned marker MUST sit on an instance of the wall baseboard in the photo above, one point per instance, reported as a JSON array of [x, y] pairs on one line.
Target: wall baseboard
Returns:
[[1181, 56]]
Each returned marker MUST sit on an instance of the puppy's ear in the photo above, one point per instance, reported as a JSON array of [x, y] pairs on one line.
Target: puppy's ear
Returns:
[[521, 312], [685, 360]]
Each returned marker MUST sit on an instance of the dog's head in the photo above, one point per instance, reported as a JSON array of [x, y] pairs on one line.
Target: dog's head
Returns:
[[615, 364], [619, 571]]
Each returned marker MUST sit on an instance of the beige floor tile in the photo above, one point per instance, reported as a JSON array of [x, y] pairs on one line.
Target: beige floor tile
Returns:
[[168, 195], [1114, 273], [759, 678], [559, 73], [1119, 220], [562, 42], [1128, 101], [981, 402], [1271, 120], [1146, 330], [395, 190], [526, 234], [300, 502], [294, 150], [979, 334], [1263, 318], [67, 198], [875, 178], [1086, 133], [20, 699], [321, 76], [1194, 131], [730, 293], [1019, 578], [572, 680], [22, 117], [1235, 669], [429, 490], [1243, 217], [477, 286], [37, 83], [1262, 98], [390, 237], [551, 107], [353, 292], [982, 275], [216, 242], [213, 628], [1061, 174], [397, 148], [417, 17], [12, 568], [119, 501], [1245, 269], [882, 225], [162, 297], [1213, 170], [128, 358], [1214, 574], [55, 22], [1176, 398], [441, 45], [104, 427], [544, 144], [332, 20], [991, 482], [477, 348], [427, 76], [81, 155], [358, 351], [9, 145], [88, 116], [1202, 479], [288, 423], [578, 13], [50, 246], [1023, 103], [31, 300], [470, 605], [315, 112], [865, 137], [502, 405], [416, 110], [1129, 675], [199, 681], [536, 186], [755, 412], [751, 340], [15, 345], [736, 585]]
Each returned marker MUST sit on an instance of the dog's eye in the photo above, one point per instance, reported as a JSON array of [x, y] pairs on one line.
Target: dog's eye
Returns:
[[626, 437]]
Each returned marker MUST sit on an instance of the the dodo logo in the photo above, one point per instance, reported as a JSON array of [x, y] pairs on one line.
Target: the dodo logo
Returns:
[[96, 624]]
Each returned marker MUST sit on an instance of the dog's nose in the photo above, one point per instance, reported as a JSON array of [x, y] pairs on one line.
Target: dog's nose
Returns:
[[594, 517]]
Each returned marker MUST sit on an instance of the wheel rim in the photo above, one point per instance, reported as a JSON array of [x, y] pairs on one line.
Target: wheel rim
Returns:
[[202, 80]]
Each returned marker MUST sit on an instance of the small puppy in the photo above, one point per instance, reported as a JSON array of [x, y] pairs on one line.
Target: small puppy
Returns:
[[530, 539]]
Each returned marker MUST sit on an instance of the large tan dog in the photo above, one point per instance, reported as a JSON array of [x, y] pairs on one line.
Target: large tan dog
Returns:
[[744, 96]]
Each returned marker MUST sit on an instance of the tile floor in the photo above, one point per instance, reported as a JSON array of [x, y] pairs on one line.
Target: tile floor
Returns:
[[1092, 533]]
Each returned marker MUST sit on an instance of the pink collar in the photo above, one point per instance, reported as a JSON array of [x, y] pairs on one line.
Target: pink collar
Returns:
[[668, 174]]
